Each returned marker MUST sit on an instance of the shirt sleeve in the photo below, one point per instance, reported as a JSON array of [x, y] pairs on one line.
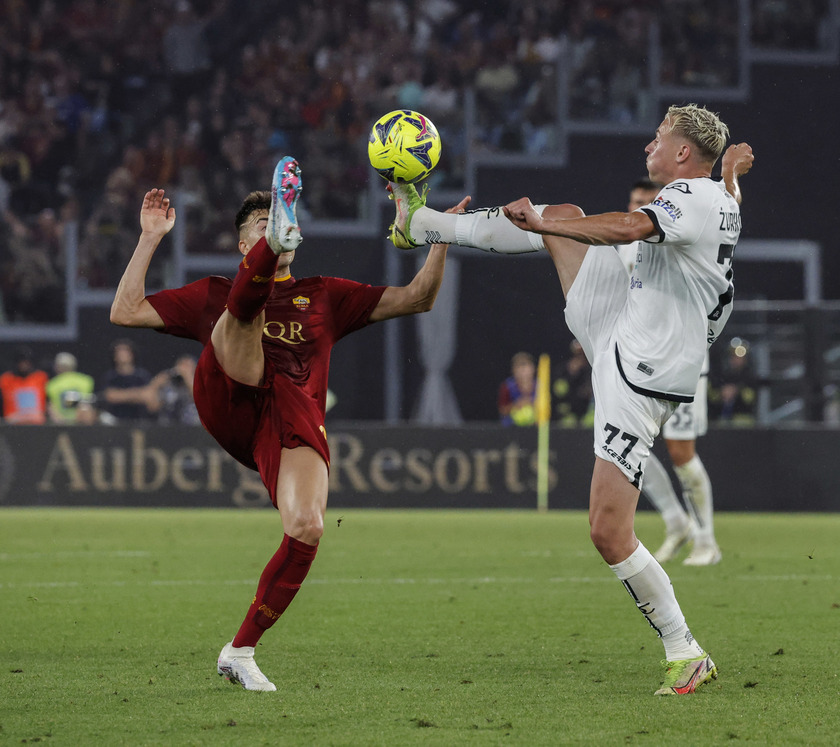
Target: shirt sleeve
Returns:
[[679, 213], [352, 303], [192, 310]]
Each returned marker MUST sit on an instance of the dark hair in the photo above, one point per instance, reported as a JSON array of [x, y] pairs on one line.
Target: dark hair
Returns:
[[123, 341], [259, 200], [24, 353], [647, 184]]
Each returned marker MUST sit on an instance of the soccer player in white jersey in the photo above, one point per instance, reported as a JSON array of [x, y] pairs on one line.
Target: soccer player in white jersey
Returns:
[[646, 339], [681, 430]]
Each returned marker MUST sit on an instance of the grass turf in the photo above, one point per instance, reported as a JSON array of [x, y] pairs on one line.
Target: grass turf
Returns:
[[432, 628]]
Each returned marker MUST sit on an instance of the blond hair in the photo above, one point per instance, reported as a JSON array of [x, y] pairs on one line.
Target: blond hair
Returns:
[[701, 127]]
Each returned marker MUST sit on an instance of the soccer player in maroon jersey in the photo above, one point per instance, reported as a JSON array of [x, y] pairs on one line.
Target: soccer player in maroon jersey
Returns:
[[261, 380]]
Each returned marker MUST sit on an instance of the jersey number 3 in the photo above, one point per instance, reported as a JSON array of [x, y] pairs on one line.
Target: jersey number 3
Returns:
[[725, 254]]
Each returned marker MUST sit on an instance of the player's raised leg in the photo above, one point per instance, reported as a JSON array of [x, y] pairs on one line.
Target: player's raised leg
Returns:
[[567, 254], [267, 240], [487, 229]]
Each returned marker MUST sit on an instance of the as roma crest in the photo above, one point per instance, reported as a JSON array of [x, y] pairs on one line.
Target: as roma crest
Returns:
[[302, 302]]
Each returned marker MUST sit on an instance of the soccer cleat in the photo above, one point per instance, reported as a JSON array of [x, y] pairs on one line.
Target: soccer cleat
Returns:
[[685, 676], [238, 665], [673, 543], [407, 201], [282, 231], [708, 555]]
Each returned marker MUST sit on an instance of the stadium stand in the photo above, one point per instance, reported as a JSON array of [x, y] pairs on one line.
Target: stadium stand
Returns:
[[97, 102]]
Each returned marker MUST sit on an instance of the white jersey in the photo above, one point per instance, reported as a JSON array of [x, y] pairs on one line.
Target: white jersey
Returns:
[[680, 289], [627, 253]]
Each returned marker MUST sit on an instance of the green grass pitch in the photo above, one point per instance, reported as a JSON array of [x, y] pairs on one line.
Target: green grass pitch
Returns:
[[414, 628]]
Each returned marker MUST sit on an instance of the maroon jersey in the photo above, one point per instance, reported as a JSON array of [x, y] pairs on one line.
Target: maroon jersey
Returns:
[[303, 320]]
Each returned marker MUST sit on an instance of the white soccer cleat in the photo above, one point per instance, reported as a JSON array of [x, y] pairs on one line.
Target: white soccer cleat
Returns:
[[282, 231], [674, 542], [709, 555], [238, 665]]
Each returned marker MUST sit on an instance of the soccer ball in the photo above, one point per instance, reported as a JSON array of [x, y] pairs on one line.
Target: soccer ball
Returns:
[[404, 146]]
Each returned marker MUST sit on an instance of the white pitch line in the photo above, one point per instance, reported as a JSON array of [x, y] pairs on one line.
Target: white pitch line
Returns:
[[74, 554], [383, 581]]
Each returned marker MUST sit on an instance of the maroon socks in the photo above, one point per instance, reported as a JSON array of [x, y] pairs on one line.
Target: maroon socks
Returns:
[[253, 283], [278, 585]]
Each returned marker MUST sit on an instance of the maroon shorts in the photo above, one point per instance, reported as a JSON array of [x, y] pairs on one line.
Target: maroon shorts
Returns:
[[252, 423]]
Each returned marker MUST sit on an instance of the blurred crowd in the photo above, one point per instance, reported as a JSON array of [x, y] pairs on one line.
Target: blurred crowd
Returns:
[[732, 393], [34, 393], [101, 101], [125, 393]]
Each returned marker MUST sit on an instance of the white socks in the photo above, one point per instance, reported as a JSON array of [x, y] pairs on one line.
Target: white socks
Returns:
[[660, 492], [697, 491], [651, 589], [487, 229]]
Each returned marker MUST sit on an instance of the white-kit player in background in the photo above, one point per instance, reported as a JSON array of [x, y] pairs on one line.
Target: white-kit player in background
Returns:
[[646, 337]]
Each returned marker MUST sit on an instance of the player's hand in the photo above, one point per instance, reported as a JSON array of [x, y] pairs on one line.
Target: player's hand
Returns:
[[522, 214], [461, 206], [157, 216], [738, 159]]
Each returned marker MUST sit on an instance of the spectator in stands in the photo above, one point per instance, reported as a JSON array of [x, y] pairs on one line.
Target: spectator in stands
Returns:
[[67, 389], [517, 392], [185, 49], [572, 390], [124, 391], [15, 170], [33, 267], [734, 398], [174, 390], [24, 391], [81, 81], [785, 24], [88, 414]]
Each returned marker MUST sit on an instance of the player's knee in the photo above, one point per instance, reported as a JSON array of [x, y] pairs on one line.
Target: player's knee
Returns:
[[600, 537], [613, 543], [306, 526], [680, 452], [563, 212]]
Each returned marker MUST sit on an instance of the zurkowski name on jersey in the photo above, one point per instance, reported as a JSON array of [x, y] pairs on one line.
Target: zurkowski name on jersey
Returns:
[[680, 289]]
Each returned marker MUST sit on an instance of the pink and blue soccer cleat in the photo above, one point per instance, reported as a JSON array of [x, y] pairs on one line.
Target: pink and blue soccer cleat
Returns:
[[283, 232]]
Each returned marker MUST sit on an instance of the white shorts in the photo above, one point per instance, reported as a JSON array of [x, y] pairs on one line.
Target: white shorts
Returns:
[[626, 423], [691, 419]]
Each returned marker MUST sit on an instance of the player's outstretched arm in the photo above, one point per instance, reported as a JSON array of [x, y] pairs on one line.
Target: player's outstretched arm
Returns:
[[737, 161], [595, 230], [420, 294], [130, 307]]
